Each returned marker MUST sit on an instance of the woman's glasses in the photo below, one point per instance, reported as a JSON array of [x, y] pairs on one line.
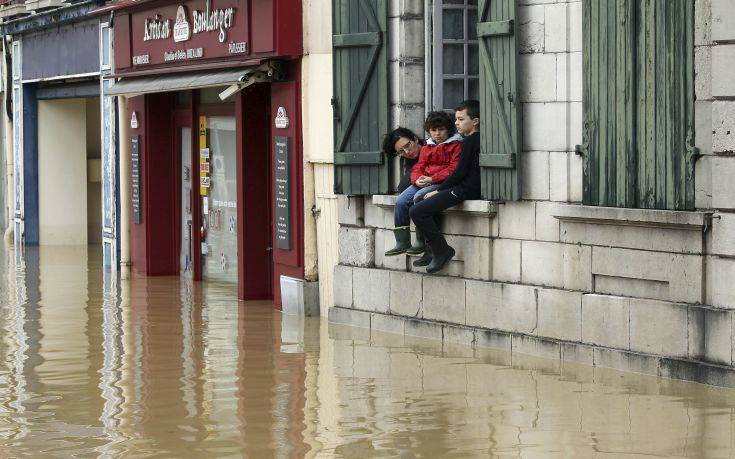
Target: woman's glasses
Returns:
[[405, 148]]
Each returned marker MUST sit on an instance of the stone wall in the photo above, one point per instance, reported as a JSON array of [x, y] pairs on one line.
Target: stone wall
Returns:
[[640, 290]]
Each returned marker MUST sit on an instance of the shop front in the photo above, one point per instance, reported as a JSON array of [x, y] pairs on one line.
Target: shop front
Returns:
[[212, 139]]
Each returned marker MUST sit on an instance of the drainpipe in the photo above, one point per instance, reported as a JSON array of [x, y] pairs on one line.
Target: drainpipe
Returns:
[[8, 144], [123, 155]]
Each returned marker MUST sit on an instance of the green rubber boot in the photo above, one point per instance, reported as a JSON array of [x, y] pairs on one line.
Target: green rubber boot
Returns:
[[420, 244], [403, 241]]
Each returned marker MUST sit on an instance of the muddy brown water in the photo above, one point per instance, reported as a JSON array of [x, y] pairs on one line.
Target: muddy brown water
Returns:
[[92, 365]]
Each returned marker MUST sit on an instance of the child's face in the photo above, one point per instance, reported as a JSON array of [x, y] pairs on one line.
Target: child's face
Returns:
[[439, 134], [465, 124]]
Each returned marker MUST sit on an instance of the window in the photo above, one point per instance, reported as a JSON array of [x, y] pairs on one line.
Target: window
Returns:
[[639, 104], [105, 46], [455, 53]]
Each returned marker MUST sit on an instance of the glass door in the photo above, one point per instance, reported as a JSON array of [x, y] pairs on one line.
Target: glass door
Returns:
[[186, 254]]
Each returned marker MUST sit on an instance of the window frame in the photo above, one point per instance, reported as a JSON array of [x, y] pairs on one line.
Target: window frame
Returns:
[[436, 54]]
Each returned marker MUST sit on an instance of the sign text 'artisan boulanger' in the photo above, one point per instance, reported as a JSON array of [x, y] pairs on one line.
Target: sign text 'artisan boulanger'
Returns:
[[208, 20]]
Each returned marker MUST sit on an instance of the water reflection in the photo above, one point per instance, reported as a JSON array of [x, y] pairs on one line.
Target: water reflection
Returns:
[[95, 366]]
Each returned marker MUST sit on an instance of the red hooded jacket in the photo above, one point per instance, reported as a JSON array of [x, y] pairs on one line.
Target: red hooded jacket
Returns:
[[438, 161]]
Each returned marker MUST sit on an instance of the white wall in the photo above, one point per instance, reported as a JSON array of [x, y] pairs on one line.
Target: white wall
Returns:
[[62, 172]]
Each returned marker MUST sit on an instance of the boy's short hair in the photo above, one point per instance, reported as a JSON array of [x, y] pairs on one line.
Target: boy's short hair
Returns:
[[390, 139], [471, 105], [439, 120]]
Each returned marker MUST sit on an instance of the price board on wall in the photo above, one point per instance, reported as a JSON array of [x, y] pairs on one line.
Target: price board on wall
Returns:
[[282, 193]]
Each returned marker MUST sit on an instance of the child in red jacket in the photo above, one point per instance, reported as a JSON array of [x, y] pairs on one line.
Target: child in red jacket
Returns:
[[437, 160]]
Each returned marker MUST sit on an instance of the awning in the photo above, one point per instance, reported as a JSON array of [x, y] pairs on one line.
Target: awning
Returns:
[[179, 82]]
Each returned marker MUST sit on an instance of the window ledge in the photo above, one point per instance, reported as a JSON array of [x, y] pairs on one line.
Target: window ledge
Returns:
[[476, 208], [677, 219]]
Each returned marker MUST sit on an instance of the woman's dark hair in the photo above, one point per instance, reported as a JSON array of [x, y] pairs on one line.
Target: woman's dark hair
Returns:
[[439, 120], [472, 106], [390, 139]]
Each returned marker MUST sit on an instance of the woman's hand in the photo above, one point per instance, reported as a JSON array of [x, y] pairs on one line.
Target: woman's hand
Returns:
[[423, 181]]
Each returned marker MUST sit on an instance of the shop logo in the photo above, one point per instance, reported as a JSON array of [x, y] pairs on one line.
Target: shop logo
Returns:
[[182, 30], [281, 121], [134, 121]]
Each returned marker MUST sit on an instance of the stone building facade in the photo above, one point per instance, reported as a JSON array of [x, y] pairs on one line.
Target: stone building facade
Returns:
[[639, 289]]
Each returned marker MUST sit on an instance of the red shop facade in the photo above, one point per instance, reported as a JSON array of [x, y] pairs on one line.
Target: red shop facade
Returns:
[[214, 136]]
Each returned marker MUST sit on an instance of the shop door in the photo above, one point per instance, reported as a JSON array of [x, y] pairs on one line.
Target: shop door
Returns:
[[219, 250], [187, 224]]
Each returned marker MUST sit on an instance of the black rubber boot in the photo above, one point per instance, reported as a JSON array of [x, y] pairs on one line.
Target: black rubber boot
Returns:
[[420, 244], [425, 258], [403, 241], [443, 252]]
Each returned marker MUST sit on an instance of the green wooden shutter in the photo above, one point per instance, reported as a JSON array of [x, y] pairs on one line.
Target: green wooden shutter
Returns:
[[666, 105], [638, 103], [360, 96], [501, 129], [609, 110]]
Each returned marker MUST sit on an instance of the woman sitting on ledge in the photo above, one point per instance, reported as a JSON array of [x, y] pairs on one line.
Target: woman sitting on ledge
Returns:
[[464, 183], [437, 160]]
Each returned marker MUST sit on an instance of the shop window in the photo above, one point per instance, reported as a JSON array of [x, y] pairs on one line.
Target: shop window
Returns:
[[455, 53], [105, 46]]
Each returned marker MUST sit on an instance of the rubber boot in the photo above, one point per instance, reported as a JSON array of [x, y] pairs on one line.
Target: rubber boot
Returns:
[[420, 245], [443, 252], [403, 241], [425, 258]]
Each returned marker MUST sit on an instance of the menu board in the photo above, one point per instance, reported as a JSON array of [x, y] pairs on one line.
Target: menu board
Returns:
[[282, 193], [135, 178]]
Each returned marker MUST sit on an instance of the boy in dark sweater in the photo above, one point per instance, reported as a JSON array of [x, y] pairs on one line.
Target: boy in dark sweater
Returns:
[[462, 184]]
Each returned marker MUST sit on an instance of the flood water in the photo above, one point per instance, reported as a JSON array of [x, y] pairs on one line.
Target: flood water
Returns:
[[95, 366]]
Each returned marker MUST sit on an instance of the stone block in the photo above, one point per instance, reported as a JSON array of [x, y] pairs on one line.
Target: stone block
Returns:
[[723, 125], [475, 253], [702, 23], [385, 240], [411, 83], [506, 260], [577, 353], [575, 27], [531, 345], [517, 220], [406, 294], [559, 176], [720, 285], [626, 361], [371, 289], [531, 29], [723, 234], [683, 273], [576, 177], [723, 20], [606, 321], [703, 181], [703, 73], [535, 2], [535, 175], [343, 286], [577, 267], [423, 329], [484, 299], [723, 186], [695, 334], [658, 328], [556, 28], [569, 76], [458, 335], [718, 336], [547, 226], [703, 128], [537, 77], [492, 339], [560, 314], [378, 217], [466, 224], [556, 265], [444, 299], [386, 323], [356, 246], [349, 317], [723, 61], [545, 126], [411, 7], [351, 210], [412, 38], [519, 311]]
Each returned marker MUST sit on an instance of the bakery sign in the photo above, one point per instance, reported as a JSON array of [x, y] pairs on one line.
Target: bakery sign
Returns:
[[189, 30], [208, 19]]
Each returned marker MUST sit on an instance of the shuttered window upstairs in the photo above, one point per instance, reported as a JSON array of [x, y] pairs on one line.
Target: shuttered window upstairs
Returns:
[[360, 103], [501, 107], [638, 60]]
